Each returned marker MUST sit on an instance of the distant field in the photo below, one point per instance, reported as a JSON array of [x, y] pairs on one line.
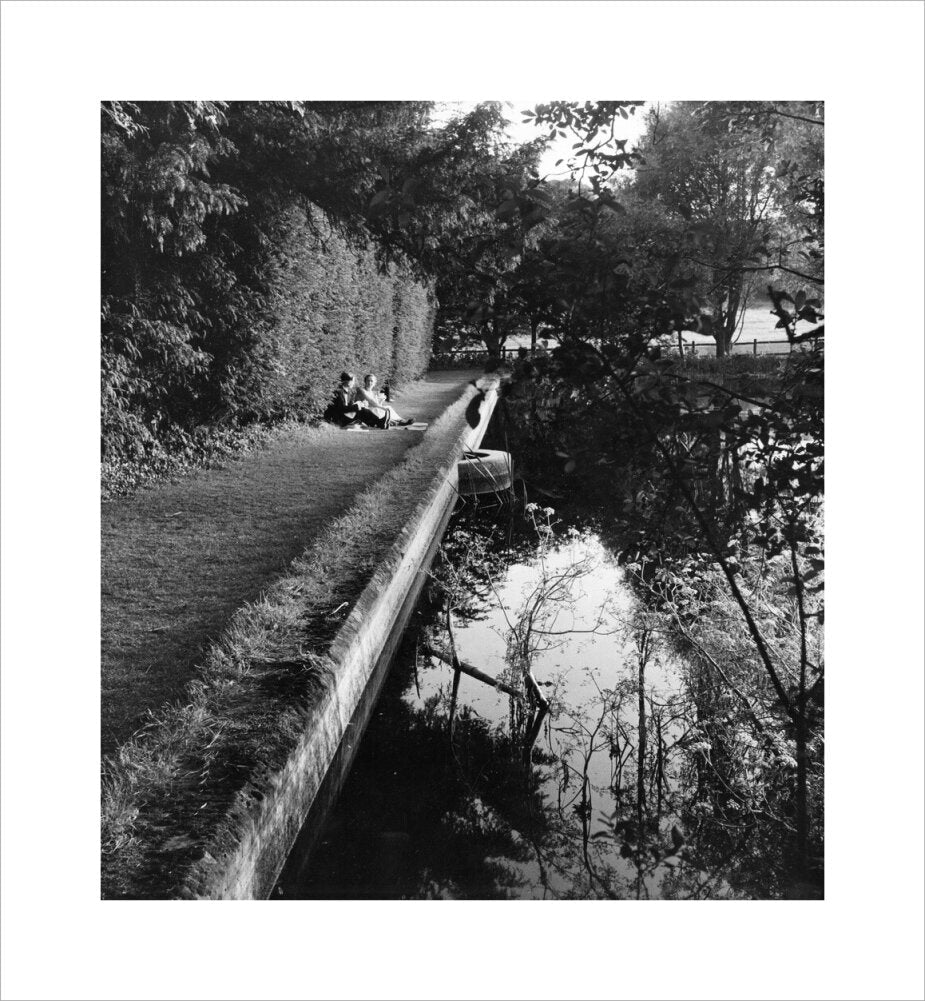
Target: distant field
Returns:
[[758, 325]]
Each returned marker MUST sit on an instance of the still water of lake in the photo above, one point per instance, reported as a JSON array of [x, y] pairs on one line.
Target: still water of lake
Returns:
[[513, 801]]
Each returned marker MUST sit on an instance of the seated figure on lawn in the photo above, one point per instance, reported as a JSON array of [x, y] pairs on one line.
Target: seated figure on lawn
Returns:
[[345, 410], [378, 403]]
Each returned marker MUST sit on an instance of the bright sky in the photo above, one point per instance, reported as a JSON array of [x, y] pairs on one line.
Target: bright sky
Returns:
[[522, 132]]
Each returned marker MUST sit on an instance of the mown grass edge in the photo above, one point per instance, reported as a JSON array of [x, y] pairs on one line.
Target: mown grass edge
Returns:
[[178, 796]]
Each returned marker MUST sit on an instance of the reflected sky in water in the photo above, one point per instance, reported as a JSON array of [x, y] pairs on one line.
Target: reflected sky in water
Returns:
[[480, 814]]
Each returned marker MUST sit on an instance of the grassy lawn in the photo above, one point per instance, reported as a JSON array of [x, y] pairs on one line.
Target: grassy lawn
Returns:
[[179, 790], [178, 559]]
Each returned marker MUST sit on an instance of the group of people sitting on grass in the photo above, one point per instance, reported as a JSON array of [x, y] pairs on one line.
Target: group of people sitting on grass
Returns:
[[354, 405]]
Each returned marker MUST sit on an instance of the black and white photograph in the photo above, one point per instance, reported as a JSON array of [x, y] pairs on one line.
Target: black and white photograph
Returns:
[[443, 500], [463, 499]]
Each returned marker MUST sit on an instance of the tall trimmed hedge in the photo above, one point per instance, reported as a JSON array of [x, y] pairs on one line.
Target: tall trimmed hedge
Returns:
[[335, 307], [327, 305]]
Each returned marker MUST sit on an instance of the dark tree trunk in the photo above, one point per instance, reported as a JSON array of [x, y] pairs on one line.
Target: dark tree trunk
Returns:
[[494, 337], [802, 805], [491, 340], [641, 740]]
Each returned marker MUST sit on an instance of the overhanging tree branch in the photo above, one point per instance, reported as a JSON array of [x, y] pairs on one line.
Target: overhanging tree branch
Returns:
[[796, 118], [710, 538]]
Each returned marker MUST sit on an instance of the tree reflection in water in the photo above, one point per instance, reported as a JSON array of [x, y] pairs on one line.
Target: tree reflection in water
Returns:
[[631, 786]]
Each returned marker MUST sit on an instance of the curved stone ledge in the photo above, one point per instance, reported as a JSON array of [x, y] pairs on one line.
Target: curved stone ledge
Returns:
[[358, 659]]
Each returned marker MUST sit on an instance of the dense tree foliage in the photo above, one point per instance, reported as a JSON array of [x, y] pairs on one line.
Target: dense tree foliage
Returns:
[[718, 201], [716, 495], [718, 179], [252, 249]]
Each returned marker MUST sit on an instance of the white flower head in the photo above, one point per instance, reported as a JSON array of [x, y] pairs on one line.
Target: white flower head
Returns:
[[549, 511], [530, 508]]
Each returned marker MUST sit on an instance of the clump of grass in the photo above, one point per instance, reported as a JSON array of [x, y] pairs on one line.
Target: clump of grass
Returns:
[[180, 790]]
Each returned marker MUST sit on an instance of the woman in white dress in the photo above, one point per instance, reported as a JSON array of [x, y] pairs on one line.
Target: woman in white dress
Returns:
[[374, 401]]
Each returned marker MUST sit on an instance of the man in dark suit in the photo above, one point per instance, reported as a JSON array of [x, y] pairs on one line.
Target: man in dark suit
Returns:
[[344, 409]]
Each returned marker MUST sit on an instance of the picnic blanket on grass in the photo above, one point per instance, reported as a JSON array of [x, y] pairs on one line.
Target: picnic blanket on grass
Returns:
[[416, 426]]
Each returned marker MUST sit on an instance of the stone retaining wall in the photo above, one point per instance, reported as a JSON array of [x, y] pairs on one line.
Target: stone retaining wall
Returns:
[[360, 653]]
